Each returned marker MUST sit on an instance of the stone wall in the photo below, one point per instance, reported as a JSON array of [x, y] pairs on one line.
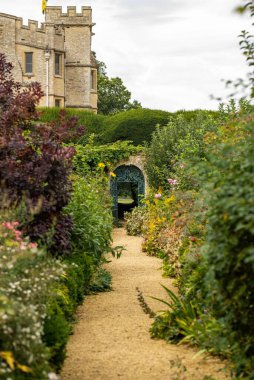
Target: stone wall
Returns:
[[139, 162], [68, 34]]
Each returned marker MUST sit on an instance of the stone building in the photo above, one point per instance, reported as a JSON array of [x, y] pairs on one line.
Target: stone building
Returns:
[[57, 54]]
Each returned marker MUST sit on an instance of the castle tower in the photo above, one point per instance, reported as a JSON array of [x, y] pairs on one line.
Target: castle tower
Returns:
[[58, 55], [80, 66]]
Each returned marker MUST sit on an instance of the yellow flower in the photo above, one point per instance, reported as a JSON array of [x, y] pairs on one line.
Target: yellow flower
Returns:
[[169, 200], [101, 165], [112, 174]]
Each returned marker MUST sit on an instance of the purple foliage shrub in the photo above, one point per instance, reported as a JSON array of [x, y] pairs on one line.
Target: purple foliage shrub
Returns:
[[35, 166]]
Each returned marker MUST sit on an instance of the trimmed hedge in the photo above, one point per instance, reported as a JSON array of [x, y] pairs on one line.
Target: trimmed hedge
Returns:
[[134, 125], [93, 123]]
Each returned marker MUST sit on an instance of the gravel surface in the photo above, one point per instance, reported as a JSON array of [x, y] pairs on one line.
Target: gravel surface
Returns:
[[111, 338]]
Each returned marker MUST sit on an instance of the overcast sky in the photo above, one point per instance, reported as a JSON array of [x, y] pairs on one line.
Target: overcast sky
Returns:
[[171, 54]]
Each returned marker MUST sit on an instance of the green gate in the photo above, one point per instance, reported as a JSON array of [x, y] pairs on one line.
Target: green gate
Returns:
[[129, 175]]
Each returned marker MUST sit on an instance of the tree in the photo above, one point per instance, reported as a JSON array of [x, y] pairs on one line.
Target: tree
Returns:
[[113, 96], [246, 85]]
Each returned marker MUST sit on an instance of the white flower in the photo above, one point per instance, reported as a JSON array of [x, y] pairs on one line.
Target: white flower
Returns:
[[53, 376]]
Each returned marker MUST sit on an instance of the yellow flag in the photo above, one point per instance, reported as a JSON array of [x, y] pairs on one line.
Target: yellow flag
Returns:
[[43, 5]]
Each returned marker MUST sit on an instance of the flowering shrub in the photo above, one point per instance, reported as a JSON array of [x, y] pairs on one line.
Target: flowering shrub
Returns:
[[34, 164], [180, 139], [158, 214], [39, 294], [135, 221], [207, 240], [26, 283], [16, 235]]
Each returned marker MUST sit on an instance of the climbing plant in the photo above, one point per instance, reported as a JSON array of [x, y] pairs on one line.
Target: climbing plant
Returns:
[[88, 157]]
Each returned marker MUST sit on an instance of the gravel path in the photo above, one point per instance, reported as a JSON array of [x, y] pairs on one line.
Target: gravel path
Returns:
[[111, 339]]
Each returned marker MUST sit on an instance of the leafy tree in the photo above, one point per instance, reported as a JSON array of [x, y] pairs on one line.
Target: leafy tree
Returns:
[[113, 96], [245, 85]]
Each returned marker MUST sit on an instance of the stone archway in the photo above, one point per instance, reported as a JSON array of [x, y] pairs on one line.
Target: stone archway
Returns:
[[131, 180]]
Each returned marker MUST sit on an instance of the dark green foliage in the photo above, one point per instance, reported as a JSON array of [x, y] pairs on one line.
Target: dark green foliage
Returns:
[[93, 123], [101, 281], [134, 125], [170, 324], [113, 96], [89, 156], [180, 139], [56, 333], [80, 272], [91, 214], [216, 254], [230, 241]]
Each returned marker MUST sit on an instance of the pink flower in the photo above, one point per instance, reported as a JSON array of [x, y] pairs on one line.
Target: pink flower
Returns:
[[157, 196], [10, 225], [172, 181], [7, 225], [33, 245]]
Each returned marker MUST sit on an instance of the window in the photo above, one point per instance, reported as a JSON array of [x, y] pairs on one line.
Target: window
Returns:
[[93, 80], [57, 102], [58, 64], [29, 63]]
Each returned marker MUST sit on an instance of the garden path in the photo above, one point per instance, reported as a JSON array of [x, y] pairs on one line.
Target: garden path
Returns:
[[111, 339]]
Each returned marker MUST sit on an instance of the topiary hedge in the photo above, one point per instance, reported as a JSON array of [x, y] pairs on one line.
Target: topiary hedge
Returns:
[[93, 123], [134, 125]]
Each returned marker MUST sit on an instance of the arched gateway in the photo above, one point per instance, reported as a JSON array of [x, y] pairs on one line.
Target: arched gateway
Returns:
[[127, 189]]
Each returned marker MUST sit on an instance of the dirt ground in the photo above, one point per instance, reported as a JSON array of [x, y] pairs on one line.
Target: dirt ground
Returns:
[[111, 338]]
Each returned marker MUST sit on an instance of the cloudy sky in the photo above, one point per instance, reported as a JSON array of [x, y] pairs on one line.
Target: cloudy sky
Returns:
[[171, 54]]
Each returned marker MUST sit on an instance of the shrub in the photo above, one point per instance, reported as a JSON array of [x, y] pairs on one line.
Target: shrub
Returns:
[[230, 237], [101, 281], [56, 332], [157, 215], [170, 324], [135, 221], [27, 282], [178, 141], [215, 229], [94, 124], [34, 165], [88, 157], [134, 125], [38, 294], [90, 209]]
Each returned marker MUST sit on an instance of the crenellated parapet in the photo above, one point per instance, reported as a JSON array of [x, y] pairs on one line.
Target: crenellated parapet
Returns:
[[72, 17], [32, 26]]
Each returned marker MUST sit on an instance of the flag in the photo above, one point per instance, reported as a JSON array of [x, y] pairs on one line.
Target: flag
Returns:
[[43, 5]]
